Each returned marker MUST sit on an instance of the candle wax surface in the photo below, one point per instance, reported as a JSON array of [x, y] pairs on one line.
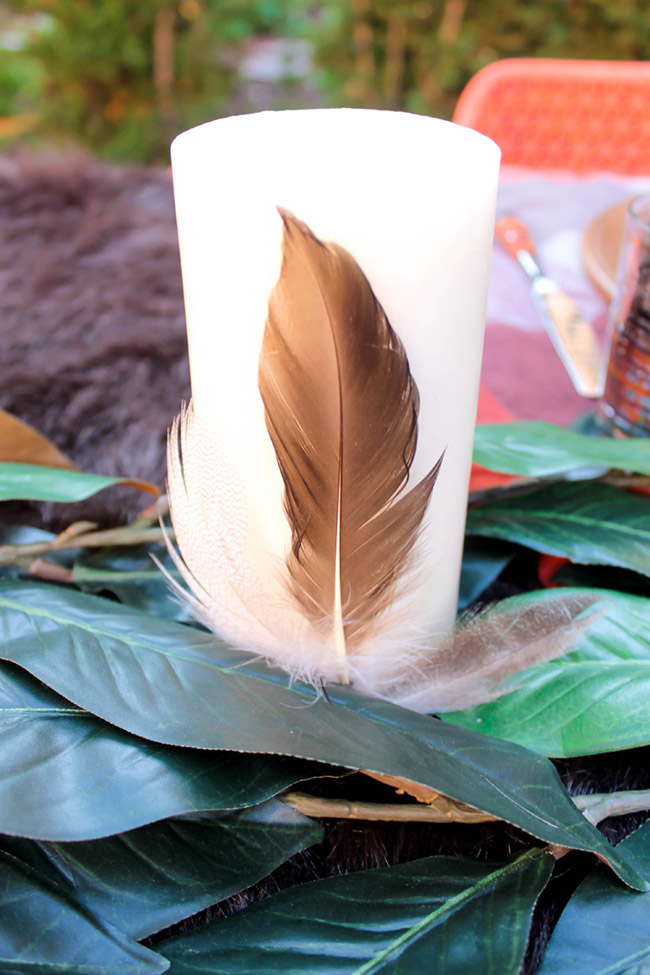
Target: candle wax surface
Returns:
[[413, 200]]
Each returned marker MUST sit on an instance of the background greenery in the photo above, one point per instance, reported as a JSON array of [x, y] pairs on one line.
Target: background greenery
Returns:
[[123, 76]]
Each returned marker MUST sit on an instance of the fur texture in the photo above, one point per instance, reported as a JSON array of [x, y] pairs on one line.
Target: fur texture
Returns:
[[91, 316]]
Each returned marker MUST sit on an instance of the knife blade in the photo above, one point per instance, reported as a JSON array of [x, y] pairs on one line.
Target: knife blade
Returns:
[[573, 337]]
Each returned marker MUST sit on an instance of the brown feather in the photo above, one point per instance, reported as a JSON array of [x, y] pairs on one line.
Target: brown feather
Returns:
[[472, 665], [341, 409]]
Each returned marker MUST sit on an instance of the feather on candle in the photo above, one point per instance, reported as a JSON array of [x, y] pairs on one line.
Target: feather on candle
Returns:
[[341, 410], [411, 200]]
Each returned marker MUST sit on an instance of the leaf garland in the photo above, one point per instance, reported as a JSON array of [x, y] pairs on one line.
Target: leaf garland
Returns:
[[21, 443], [483, 561], [131, 575], [152, 685], [108, 659], [593, 524], [67, 775], [531, 448], [149, 878], [396, 919], [605, 929], [32, 482], [45, 930]]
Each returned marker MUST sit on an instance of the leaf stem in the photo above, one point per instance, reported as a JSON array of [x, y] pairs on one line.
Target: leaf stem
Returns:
[[603, 805], [445, 810], [622, 480], [438, 812], [140, 532], [125, 535]]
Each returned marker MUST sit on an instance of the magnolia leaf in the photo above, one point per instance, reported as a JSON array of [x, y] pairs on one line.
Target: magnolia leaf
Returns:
[[167, 682], [131, 575], [595, 699], [149, 878], [23, 535], [45, 930], [531, 448], [483, 561], [66, 775], [602, 577], [22, 444], [605, 928], [586, 523], [31, 482], [441, 914]]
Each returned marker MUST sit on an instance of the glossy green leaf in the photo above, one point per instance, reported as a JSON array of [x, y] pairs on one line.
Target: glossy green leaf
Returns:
[[132, 576], [595, 699], [441, 914], [584, 522], [605, 928], [532, 448], [66, 775], [602, 577], [483, 562], [45, 931], [149, 878], [22, 534], [167, 682], [32, 482]]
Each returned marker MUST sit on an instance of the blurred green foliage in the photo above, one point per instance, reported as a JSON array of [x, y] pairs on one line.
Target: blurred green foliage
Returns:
[[123, 76], [20, 83], [419, 54]]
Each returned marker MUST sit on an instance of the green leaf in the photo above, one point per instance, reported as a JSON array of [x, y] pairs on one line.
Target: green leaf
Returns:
[[169, 683], [22, 535], [483, 562], [149, 878], [133, 577], [440, 914], [586, 523], [602, 577], [595, 699], [66, 775], [605, 929], [532, 448], [31, 482], [45, 931]]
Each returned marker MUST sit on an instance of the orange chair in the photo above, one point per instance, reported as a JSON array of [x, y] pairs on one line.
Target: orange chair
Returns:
[[560, 114]]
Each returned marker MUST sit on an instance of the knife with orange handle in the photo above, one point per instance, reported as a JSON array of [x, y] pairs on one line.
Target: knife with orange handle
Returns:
[[573, 337]]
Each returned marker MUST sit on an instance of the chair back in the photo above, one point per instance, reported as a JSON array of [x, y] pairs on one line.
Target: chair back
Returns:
[[563, 114]]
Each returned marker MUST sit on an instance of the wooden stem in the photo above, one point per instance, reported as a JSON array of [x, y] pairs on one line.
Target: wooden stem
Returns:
[[139, 532], [444, 810], [382, 811]]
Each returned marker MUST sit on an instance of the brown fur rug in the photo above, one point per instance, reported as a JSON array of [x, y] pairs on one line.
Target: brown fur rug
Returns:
[[92, 329]]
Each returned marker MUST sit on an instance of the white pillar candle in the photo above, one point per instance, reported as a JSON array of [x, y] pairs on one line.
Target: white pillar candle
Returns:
[[412, 199]]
